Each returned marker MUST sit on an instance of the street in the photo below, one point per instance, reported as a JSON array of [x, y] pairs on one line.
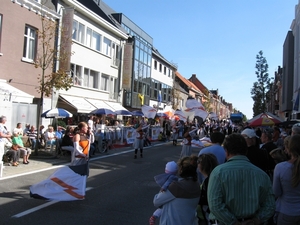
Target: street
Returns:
[[120, 190]]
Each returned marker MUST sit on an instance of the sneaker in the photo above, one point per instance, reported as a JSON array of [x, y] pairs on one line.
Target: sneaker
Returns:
[[152, 220]]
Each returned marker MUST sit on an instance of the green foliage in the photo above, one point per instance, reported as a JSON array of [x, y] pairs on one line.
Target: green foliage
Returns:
[[261, 86], [175, 100], [207, 104], [48, 53], [61, 123]]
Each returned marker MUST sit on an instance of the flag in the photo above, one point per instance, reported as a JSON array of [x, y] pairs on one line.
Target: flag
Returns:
[[181, 115], [197, 144], [192, 105], [201, 113], [149, 111], [296, 105], [159, 98], [141, 98], [65, 184]]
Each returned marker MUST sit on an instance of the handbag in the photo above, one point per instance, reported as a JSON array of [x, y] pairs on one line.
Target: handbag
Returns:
[[14, 147], [27, 143]]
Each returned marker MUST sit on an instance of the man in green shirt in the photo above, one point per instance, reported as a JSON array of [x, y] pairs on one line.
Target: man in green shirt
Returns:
[[238, 192]]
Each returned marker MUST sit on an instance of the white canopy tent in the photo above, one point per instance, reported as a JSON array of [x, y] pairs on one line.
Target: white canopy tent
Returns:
[[12, 94]]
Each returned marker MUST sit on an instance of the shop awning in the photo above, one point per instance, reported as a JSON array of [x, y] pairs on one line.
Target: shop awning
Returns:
[[116, 106], [10, 93], [82, 105], [99, 103]]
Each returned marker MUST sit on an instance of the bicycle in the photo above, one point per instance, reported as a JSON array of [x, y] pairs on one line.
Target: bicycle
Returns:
[[106, 142], [104, 146]]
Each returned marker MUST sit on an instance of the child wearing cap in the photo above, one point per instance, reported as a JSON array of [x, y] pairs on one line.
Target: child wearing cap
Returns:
[[164, 180]]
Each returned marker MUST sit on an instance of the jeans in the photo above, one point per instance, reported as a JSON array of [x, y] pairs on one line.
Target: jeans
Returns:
[[52, 143], [33, 143]]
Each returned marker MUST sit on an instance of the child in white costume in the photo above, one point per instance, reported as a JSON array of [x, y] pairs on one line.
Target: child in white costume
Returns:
[[164, 180]]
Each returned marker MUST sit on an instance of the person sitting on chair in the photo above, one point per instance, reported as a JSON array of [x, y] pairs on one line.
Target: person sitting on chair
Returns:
[[50, 138], [32, 135], [67, 140], [19, 146]]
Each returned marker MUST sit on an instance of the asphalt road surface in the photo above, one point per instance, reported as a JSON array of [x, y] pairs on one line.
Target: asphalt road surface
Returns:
[[120, 191]]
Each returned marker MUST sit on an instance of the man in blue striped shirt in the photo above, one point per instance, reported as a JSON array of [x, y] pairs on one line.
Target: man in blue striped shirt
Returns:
[[238, 192]]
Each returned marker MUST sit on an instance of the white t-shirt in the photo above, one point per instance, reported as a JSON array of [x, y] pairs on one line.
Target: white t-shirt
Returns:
[[18, 131], [49, 135], [91, 124]]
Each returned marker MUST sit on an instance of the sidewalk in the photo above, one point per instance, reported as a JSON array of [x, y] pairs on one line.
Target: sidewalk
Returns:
[[45, 160]]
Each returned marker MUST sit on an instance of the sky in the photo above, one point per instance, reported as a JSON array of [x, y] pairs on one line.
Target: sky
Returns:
[[217, 40]]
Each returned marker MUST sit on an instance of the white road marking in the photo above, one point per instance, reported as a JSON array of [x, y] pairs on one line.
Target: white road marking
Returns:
[[67, 164], [55, 167], [40, 207], [34, 209]]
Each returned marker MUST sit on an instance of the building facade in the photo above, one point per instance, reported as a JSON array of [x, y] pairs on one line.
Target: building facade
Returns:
[[95, 63], [295, 27], [20, 48], [286, 105]]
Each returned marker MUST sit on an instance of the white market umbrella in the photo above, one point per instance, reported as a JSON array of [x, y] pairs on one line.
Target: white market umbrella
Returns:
[[56, 113]]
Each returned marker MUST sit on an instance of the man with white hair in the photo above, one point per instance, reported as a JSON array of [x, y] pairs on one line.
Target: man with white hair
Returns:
[[296, 129]]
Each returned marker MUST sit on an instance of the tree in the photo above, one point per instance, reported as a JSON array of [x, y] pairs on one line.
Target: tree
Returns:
[[206, 103], [48, 54], [175, 96], [261, 86]]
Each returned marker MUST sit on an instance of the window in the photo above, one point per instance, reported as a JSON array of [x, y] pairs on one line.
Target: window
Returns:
[[135, 86], [155, 64], [1, 16], [30, 38], [104, 82], [78, 31], [115, 54], [107, 46], [76, 72], [96, 41], [93, 39], [89, 37], [90, 78], [160, 67], [113, 88], [165, 70]]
